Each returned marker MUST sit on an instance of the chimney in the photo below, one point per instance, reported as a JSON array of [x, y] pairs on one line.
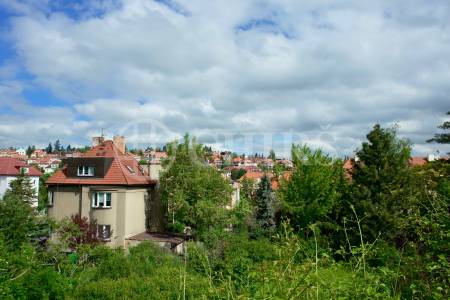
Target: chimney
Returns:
[[97, 140], [119, 142]]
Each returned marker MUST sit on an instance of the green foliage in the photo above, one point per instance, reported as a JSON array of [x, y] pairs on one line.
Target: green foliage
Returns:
[[313, 189], [43, 192], [30, 150], [237, 173], [16, 221], [272, 155], [265, 201], [382, 189], [442, 138], [22, 188], [194, 194]]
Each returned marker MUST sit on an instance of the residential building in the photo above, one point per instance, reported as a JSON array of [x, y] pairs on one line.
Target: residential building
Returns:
[[21, 152], [106, 184], [10, 168]]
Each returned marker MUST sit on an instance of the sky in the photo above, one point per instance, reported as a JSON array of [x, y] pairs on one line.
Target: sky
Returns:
[[245, 76]]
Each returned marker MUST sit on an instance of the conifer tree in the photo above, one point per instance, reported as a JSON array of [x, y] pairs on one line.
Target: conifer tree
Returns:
[[265, 200], [49, 148], [442, 138], [382, 182], [22, 188], [17, 217]]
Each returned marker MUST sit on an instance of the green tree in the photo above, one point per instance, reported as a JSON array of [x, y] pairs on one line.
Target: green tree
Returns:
[[442, 138], [313, 189], [43, 192], [49, 148], [237, 173], [247, 189], [382, 188], [22, 188], [30, 150], [194, 194], [265, 201], [57, 147], [272, 155], [17, 217], [16, 221]]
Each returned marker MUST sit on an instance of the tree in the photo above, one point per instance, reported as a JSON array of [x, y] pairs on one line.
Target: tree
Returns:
[[78, 231], [68, 148], [313, 189], [382, 183], [193, 193], [57, 147], [442, 138], [22, 188], [237, 173], [272, 155], [17, 217], [49, 148], [265, 200], [16, 221], [30, 150]]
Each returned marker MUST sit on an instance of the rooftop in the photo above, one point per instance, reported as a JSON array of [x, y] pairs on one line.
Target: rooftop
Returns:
[[123, 169]]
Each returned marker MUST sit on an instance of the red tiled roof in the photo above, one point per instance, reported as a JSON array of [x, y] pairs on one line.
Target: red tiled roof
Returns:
[[11, 166], [418, 161], [118, 174]]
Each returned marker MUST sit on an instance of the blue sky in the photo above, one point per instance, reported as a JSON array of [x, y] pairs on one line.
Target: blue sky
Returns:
[[241, 75]]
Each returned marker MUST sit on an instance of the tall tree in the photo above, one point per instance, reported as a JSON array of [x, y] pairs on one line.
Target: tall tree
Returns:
[[22, 188], [49, 148], [442, 138], [17, 217], [29, 151], [265, 201], [57, 147], [313, 188], [194, 193], [272, 155], [382, 182]]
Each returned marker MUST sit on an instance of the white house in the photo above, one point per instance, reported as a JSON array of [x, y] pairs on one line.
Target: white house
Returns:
[[10, 168], [21, 152]]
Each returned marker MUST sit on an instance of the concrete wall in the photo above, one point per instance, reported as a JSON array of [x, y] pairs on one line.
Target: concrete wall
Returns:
[[126, 216], [66, 202], [4, 185]]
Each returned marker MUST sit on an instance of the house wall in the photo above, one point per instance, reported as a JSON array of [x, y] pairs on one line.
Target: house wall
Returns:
[[66, 202], [126, 216], [4, 185], [135, 212]]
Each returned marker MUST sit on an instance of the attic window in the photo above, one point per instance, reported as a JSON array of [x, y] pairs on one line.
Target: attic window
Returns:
[[85, 171], [131, 170], [24, 170]]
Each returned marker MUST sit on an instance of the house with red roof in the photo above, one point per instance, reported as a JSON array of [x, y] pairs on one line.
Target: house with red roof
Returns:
[[10, 168], [107, 185]]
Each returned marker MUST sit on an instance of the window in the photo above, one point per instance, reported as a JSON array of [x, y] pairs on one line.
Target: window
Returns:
[[85, 171], [24, 170], [51, 198], [104, 232], [101, 200], [131, 169]]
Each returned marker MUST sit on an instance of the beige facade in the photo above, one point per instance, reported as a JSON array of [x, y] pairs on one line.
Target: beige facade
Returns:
[[126, 216]]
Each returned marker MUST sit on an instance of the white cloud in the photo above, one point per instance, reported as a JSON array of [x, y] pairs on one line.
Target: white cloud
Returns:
[[323, 71]]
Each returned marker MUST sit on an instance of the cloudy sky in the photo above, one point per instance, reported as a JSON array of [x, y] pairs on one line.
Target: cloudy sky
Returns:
[[242, 75]]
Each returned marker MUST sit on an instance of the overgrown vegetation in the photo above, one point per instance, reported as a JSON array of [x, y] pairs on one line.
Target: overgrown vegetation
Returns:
[[384, 233]]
